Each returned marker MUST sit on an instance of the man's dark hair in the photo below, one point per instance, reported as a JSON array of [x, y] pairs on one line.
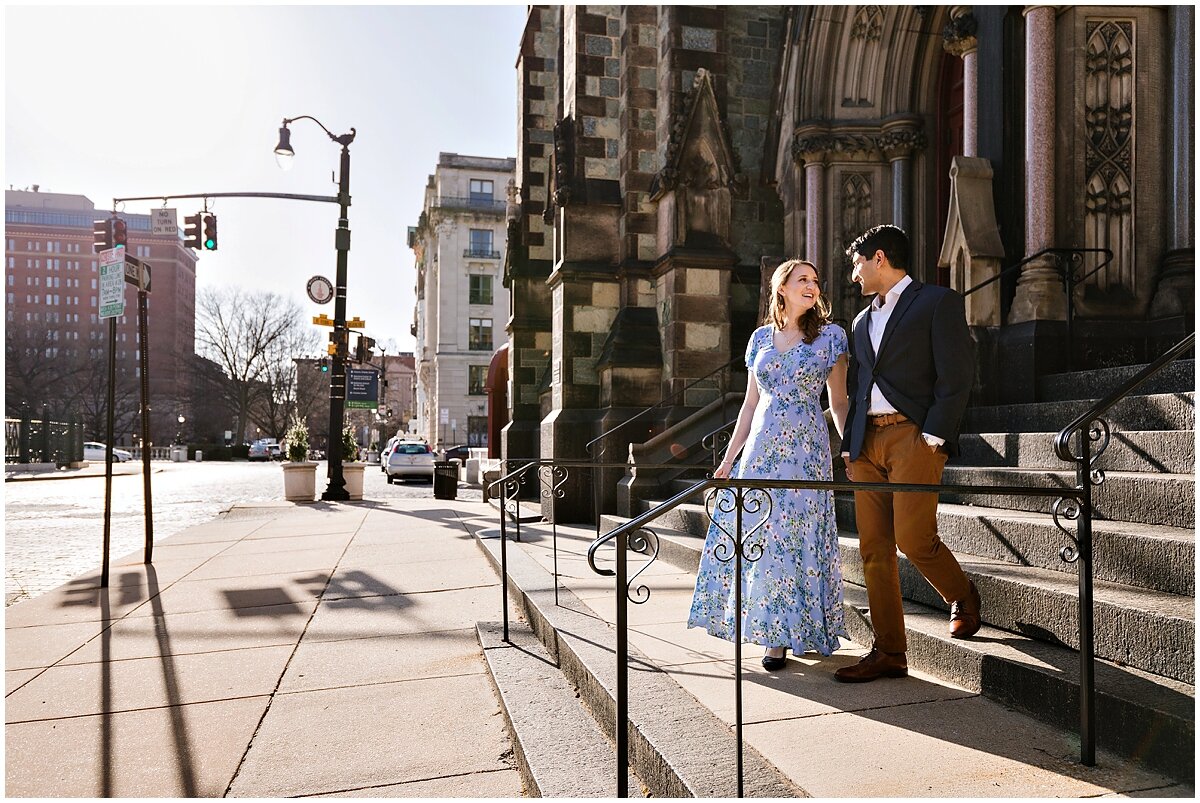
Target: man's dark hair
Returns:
[[889, 239]]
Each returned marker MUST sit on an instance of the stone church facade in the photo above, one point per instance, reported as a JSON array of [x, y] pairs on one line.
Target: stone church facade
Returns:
[[670, 156]]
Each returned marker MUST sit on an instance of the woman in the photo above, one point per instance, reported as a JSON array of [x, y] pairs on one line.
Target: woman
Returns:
[[791, 595]]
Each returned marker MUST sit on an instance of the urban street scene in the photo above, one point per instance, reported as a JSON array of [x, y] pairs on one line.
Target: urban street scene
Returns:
[[673, 401]]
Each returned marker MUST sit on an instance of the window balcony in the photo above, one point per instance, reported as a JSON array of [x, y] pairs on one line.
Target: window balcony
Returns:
[[481, 253], [471, 204]]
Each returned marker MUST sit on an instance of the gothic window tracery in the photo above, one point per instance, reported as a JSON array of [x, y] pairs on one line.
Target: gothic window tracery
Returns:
[[1109, 155], [865, 34]]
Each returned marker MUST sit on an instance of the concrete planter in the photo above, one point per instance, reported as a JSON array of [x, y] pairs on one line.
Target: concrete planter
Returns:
[[353, 474], [300, 481]]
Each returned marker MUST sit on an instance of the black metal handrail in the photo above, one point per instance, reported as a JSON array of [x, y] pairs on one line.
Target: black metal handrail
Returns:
[[1071, 278], [658, 404], [1094, 429], [635, 533]]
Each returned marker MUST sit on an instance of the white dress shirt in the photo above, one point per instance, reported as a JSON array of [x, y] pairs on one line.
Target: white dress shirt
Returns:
[[881, 312]]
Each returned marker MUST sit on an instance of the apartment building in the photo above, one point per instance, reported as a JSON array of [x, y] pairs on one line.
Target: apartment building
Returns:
[[462, 303], [52, 322]]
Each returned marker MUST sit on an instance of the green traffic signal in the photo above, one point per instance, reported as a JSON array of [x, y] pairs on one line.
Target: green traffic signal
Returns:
[[210, 232]]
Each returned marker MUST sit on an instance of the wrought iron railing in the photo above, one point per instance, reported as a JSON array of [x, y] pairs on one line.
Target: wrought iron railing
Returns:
[[601, 439], [472, 204], [1092, 429], [40, 440], [481, 253], [749, 497], [1069, 262]]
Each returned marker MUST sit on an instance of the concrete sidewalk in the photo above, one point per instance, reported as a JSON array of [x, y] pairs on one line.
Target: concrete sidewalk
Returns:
[[326, 649]]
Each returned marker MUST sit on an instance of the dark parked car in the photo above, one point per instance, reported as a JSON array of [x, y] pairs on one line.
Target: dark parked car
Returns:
[[459, 453]]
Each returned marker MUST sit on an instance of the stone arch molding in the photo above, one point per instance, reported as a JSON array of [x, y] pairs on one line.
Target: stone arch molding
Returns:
[[695, 190]]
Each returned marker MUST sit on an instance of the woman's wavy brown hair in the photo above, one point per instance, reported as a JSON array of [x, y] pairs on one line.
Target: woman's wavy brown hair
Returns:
[[817, 315]]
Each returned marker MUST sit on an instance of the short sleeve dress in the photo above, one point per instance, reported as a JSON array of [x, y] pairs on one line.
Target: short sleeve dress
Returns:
[[791, 595]]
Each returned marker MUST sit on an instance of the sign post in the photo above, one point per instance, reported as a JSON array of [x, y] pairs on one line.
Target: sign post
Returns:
[[137, 273], [112, 306]]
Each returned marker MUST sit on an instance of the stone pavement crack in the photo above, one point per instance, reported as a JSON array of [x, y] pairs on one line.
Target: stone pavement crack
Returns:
[[405, 782], [379, 682], [291, 657]]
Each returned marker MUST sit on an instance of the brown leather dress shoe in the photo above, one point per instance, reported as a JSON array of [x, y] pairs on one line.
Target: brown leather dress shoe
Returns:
[[876, 664], [964, 615]]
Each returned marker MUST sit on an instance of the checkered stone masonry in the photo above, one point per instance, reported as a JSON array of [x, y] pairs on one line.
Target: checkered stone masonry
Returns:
[[636, 149], [597, 88]]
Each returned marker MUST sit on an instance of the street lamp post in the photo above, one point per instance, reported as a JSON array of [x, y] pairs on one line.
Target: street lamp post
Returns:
[[336, 491], [179, 432]]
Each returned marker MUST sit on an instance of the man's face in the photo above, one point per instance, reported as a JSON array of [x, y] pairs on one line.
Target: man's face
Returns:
[[866, 273]]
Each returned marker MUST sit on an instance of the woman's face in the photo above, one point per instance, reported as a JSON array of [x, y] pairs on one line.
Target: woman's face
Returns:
[[800, 291]]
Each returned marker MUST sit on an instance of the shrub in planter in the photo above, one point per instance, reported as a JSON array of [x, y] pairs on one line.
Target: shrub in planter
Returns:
[[297, 442], [349, 445]]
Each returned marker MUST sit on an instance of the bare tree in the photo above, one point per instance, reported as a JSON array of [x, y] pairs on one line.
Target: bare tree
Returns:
[[280, 399], [247, 334]]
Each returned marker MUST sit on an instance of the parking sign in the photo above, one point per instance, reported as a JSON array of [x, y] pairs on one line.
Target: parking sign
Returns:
[[112, 282]]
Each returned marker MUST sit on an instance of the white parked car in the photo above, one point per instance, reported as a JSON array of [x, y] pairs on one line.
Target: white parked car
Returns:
[[409, 459], [96, 451]]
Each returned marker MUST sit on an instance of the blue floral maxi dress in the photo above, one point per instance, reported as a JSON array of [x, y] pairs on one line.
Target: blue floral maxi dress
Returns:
[[792, 595]]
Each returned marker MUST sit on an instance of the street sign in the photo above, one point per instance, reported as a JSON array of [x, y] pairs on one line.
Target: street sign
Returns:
[[112, 283], [320, 290], [322, 320], [362, 389], [445, 416], [137, 273], [162, 221]]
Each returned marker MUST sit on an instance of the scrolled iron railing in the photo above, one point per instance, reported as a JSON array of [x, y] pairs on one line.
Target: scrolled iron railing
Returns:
[[1092, 429], [740, 549], [41, 440], [473, 204], [480, 253]]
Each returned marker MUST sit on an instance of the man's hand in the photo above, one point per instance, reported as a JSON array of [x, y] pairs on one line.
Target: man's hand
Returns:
[[846, 460]]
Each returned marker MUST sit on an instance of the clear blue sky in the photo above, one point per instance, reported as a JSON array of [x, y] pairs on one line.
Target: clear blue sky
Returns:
[[116, 102]]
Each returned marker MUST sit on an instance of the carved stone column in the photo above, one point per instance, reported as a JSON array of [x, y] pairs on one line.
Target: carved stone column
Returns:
[[1040, 294], [958, 39], [810, 149], [1176, 286], [899, 141]]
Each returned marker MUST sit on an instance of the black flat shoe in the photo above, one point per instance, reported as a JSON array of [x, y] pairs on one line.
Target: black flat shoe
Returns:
[[774, 664]]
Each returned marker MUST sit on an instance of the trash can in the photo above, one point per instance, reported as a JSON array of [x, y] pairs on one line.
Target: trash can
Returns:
[[199, 456], [445, 479]]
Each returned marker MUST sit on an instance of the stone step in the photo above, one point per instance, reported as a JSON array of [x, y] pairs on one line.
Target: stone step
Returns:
[[1140, 715], [1159, 411], [1135, 708], [1151, 630], [1167, 499], [1141, 555], [1176, 377], [1148, 630], [1163, 452], [543, 713], [686, 754]]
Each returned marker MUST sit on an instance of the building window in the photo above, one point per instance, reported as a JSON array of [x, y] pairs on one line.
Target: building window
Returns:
[[477, 431], [481, 244], [11, 280], [480, 337], [477, 380], [482, 190], [481, 289]]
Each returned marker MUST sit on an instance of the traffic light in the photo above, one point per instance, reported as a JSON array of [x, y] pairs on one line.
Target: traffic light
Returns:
[[323, 365], [362, 349], [102, 235], [210, 232], [120, 232], [191, 232]]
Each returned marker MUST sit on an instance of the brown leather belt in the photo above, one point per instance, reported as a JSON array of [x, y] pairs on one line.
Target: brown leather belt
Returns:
[[886, 420]]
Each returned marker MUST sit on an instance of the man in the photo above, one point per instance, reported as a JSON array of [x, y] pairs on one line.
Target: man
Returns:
[[911, 370]]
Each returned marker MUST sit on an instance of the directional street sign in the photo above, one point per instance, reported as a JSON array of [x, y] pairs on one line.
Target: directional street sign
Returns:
[[137, 273], [362, 389], [162, 221], [112, 283]]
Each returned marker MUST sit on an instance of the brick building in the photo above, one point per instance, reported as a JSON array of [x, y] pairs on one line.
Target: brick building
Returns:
[[53, 331]]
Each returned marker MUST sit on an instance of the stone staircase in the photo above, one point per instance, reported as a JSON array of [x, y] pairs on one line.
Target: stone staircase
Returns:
[[1144, 572]]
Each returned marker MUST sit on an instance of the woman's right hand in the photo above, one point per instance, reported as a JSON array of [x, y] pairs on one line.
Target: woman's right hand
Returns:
[[722, 471]]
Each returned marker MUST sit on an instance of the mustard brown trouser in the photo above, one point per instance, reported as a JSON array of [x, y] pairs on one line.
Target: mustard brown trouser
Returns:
[[897, 452]]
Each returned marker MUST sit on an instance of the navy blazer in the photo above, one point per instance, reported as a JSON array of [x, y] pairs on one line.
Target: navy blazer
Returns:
[[925, 365]]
